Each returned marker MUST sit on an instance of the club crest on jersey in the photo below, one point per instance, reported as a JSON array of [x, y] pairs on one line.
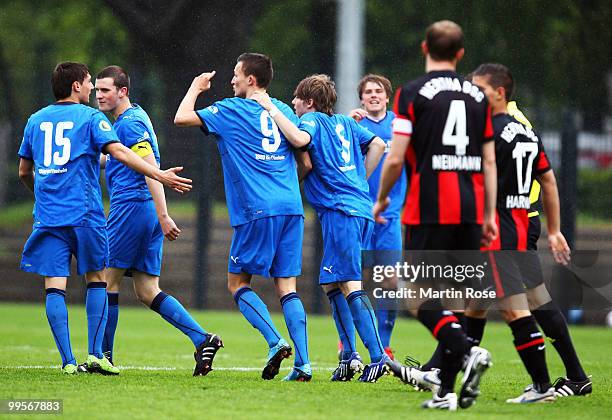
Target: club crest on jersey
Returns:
[[105, 126], [213, 109]]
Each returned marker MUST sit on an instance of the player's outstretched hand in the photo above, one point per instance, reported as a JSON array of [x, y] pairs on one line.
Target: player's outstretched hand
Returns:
[[379, 208], [559, 247], [170, 179], [358, 114], [202, 82], [489, 233], [169, 228], [263, 99]]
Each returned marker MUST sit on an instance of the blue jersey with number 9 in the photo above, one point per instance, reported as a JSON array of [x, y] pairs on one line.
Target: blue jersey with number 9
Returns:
[[65, 141], [259, 169]]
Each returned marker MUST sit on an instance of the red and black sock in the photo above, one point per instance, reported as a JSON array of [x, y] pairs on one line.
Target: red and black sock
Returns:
[[445, 327], [529, 344], [436, 358]]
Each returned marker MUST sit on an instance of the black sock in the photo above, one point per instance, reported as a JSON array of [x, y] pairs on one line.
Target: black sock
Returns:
[[454, 346], [554, 327], [529, 344], [436, 358], [474, 329]]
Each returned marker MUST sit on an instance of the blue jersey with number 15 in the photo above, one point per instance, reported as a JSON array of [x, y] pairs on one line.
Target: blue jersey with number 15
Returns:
[[259, 170], [65, 141]]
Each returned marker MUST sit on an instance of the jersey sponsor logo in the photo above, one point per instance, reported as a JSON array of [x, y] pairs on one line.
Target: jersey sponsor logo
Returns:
[[517, 202], [259, 156], [104, 126], [512, 129], [347, 168], [50, 171], [456, 163], [328, 269], [450, 84]]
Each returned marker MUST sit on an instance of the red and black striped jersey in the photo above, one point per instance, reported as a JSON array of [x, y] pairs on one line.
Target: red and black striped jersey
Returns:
[[448, 119], [520, 158]]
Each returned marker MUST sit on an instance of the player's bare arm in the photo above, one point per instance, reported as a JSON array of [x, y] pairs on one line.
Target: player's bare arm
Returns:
[[489, 227], [294, 135], [168, 177], [26, 173], [304, 164], [550, 201], [185, 114], [391, 171], [376, 149], [169, 228]]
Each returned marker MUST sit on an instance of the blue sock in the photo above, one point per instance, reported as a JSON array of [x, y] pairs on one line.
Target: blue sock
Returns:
[[295, 318], [57, 314], [386, 321], [111, 323], [172, 311], [344, 321], [256, 312], [96, 306], [365, 322]]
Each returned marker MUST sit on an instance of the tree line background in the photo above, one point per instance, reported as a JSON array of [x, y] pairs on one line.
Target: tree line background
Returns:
[[559, 51]]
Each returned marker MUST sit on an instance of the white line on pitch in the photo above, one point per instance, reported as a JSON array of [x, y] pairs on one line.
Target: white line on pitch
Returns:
[[154, 368]]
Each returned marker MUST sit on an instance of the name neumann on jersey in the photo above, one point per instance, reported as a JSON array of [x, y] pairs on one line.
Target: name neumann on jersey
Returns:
[[456, 163]]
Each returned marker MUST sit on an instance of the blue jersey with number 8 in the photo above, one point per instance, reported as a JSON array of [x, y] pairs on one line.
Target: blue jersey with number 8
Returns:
[[259, 170], [65, 141]]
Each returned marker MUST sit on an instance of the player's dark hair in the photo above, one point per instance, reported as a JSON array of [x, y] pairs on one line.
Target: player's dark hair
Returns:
[[444, 39], [499, 76], [64, 75], [120, 77], [379, 80], [259, 66], [321, 89]]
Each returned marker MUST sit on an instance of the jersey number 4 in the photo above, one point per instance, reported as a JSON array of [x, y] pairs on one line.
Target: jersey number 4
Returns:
[[58, 157], [455, 129]]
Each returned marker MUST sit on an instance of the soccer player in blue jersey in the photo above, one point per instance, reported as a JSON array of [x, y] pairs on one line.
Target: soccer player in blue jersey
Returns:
[[338, 191], [264, 204], [138, 221], [386, 243], [59, 162]]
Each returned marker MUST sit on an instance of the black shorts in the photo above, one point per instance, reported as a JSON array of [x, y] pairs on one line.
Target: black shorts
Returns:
[[443, 237], [511, 272]]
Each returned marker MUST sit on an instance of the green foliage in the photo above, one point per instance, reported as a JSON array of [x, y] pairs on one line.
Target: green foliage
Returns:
[[145, 340], [594, 198]]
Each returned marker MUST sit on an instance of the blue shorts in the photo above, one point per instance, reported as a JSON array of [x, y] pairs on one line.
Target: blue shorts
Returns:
[[135, 237], [49, 250], [269, 247], [385, 247], [344, 237]]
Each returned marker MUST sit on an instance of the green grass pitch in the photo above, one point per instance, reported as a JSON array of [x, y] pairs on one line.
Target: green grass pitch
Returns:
[[157, 363]]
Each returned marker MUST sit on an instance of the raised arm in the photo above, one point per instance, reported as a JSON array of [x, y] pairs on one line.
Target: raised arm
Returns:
[[294, 135], [26, 173], [168, 177], [185, 114], [550, 201], [376, 149], [169, 228]]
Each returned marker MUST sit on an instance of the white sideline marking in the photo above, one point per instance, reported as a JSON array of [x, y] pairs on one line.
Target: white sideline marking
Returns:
[[155, 368]]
